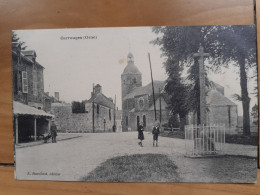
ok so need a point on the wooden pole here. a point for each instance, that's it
(115, 111)
(160, 106)
(93, 112)
(152, 87)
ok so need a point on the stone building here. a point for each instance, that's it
(104, 109)
(220, 109)
(137, 100)
(29, 99)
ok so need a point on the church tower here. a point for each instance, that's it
(131, 77)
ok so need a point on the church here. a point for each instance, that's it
(138, 106)
(137, 100)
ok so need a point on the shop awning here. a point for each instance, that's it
(23, 109)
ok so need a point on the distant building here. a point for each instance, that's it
(104, 109)
(220, 109)
(28, 95)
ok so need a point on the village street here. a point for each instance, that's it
(74, 158)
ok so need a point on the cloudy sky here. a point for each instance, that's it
(72, 66)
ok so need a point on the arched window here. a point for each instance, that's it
(144, 120)
(137, 121)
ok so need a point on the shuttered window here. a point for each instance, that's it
(24, 82)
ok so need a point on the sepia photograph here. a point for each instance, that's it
(136, 104)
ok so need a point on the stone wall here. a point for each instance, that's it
(150, 119)
(81, 122)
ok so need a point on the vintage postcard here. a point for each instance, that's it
(136, 104)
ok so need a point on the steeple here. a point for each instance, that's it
(131, 68)
(131, 76)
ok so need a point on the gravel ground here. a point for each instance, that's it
(73, 159)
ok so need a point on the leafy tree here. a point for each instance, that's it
(227, 45)
(178, 93)
(15, 38)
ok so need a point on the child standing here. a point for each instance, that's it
(156, 131)
(140, 134)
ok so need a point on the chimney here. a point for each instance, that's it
(97, 89)
(57, 96)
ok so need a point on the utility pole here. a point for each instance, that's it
(93, 112)
(152, 87)
(115, 112)
(160, 100)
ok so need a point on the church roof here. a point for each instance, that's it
(146, 89)
(131, 69)
(101, 99)
(215, 98)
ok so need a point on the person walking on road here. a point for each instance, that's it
(53, 131)
(140, 134)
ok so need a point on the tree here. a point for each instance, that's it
(178, 92)
(15, 38)
(227, 45)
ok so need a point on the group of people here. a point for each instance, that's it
(155, 132)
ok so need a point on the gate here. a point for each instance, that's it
(204, 139)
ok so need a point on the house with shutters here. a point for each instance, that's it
(30, 103)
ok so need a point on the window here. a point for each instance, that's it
(24, 82)
(137, 121)
(144, 120)
(134, 80)
(97, 109)
(109, 113)
(19, 81)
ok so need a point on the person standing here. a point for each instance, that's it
(140, 133)
(156, 132)
(53, 131)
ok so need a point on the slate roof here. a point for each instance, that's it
(29, 53)
(215, 98)
(23, 109)
(146, 89)
(101, 99)
(25, 53)
(131, 69)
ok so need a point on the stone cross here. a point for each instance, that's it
(201, 56)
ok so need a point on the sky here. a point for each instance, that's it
(72, 66)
